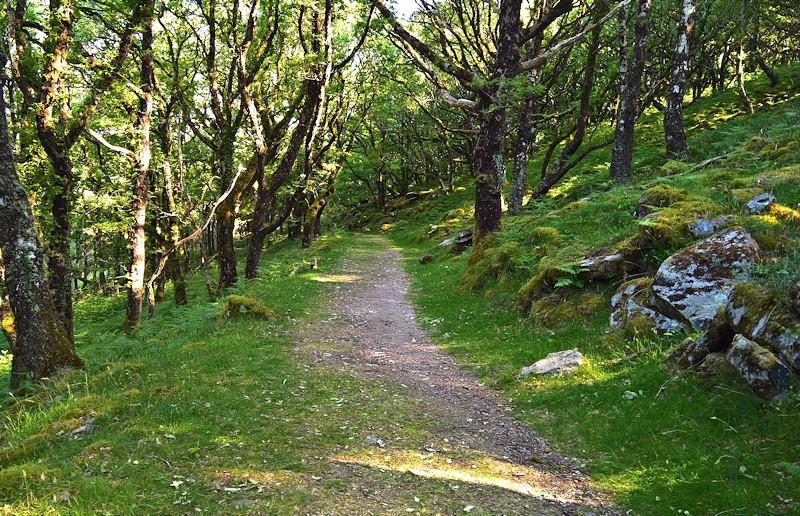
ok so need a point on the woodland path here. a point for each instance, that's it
(469, 436)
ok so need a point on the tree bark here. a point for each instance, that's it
(768, 71)
(133, 312)
(42, 344)
(674, 134)
(621, 169)
(490, 170)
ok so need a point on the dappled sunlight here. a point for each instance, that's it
(476, 470)
(337, 278)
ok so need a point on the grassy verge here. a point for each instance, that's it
(197, 414)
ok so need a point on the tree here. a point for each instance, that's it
(630, 80)
(42, 345)
(674, 134)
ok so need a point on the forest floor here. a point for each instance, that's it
(342, 405)
(469, 435)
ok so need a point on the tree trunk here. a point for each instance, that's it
(133, 313)
(768, 71)
(176, 260)
(746, 103)
(226, 222)
(58, 256)
(525, 146)
(621, 169)
(18, 370)
(42, 344)
(674, 134)
(490, 170)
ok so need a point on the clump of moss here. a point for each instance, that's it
(742, 195)
(754, 144)
(457, 213)
(18, 479)
(668, 227)
(574, 206)
(547, 272)
(721, 176)
(544, 235)
(235, 303)
(489, 260)
(556, 309)
(23, 449)
(672, 167)
(661, 196)
(783, 148)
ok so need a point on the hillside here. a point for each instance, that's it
(656, 440)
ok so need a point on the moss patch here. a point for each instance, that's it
(235, 305)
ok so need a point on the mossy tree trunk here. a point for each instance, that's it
(42, 345)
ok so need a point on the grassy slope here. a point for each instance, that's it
(701, 446)
(192, 414)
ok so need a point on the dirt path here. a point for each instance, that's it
(371, 331)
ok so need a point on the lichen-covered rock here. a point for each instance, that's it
(554, 363)
(759, 203)
(762, 371)
(693, 284)
(603, 266)
(753, 312)
(713, 364)
(716, 338)
(630, 302)
(704, 228)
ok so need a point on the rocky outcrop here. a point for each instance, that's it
(759, 367)
(761, 339)
(560, 362)
(693, 284)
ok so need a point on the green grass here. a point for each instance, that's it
(680, 444)
(193, 413)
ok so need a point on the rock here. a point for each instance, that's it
(759, 203)
(424, 260)
(656, 197)
(762, 371)
(630, 302)
(794, 297)
(464, 237)
(602, 266)
(704, 228)
(558, 362)
(433, 230)
(754, 312)
(714, 364)
(447, 242)
(374, 441)
(693, 284)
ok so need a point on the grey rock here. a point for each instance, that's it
(447, 242)
(554, 363)
(374, 441)
(693, 284)
(762, 371)
(464, 237)
(630, 301)
(759, 203)
(704, 228)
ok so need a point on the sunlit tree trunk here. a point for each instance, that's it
(133, 312)
(674, 134)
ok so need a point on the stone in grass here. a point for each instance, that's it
(559, 362)
(704, 228)
(424, 260)
(759, 203)
(762, 371)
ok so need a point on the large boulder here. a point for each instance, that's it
(759, 367)
(693, 284)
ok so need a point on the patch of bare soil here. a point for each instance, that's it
(371, 331)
